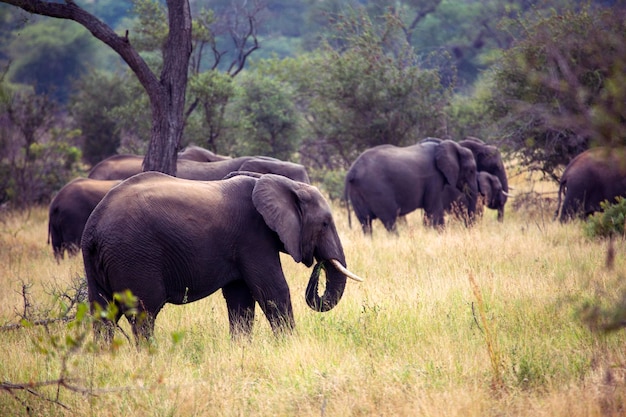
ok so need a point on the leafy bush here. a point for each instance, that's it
(331, 181)
(609, 222)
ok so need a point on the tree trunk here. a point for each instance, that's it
(168, 109)
(167, 94)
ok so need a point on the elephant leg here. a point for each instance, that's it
(104, 322)
(390, 225)
(366, 225)
(435, 220)
(142, 324)
(240, 304)
(275, 301)
(104, 329)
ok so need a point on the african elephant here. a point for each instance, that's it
(590, 178)
(488, 159)
(69, 211)
(199, 154)
(387, 181)
(117, 167)
(490, 194)
(124, 166)
(172, 240)
(287, 169)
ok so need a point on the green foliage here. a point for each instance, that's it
(151, 28)
(331, 181)
(608, 222)
(211, 90)
(49, 54)
(467, 114)
(38, 154)
(561, 86)
(264, 119)
(94, 114)
(362, 88)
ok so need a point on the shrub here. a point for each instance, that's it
(608, 222)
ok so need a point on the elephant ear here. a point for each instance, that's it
(447, 161)
(276, 198)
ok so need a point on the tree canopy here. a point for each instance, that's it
(318, 82)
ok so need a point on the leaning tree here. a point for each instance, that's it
(166, 92)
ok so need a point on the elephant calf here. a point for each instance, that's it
(490, 192)
(172, 240)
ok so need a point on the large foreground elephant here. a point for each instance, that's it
(488, 159)
(387, 181)
(171, 240)
(119, 167)
(69, 211)
(590, 178)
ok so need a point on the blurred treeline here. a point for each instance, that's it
(315, 82)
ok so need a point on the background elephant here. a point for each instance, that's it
(490, 193)
(120, 167)
(488, 159)
(387, 181)
(593, 176)
(117, 167)
(69, 211)
(183, 240)
(199, 154)
(124, 166)
(287, 169)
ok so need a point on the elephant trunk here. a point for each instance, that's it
(336, 275)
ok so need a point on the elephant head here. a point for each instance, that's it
(304, 223)
(490, 188)
(488, 159)
(459, 169)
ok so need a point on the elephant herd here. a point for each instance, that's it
(436, 175)
(222, 222)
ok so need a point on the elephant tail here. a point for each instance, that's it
(346, 197)
(55, 235)
(562, 186)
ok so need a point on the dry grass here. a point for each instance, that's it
(409, 341)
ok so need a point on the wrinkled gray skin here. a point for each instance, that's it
(199, 154)
(124, 166)
(69, 211)
(387, 181)
(590, 178)
(489, 159)
(171, 240)
(287, 169)
(490, 194)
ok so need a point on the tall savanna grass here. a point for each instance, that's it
(487, 321)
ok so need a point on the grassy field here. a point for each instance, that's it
(489, 321)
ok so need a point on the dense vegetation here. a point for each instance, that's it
(316, 82)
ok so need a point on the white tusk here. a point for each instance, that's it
(507, 194)
(344, 271)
